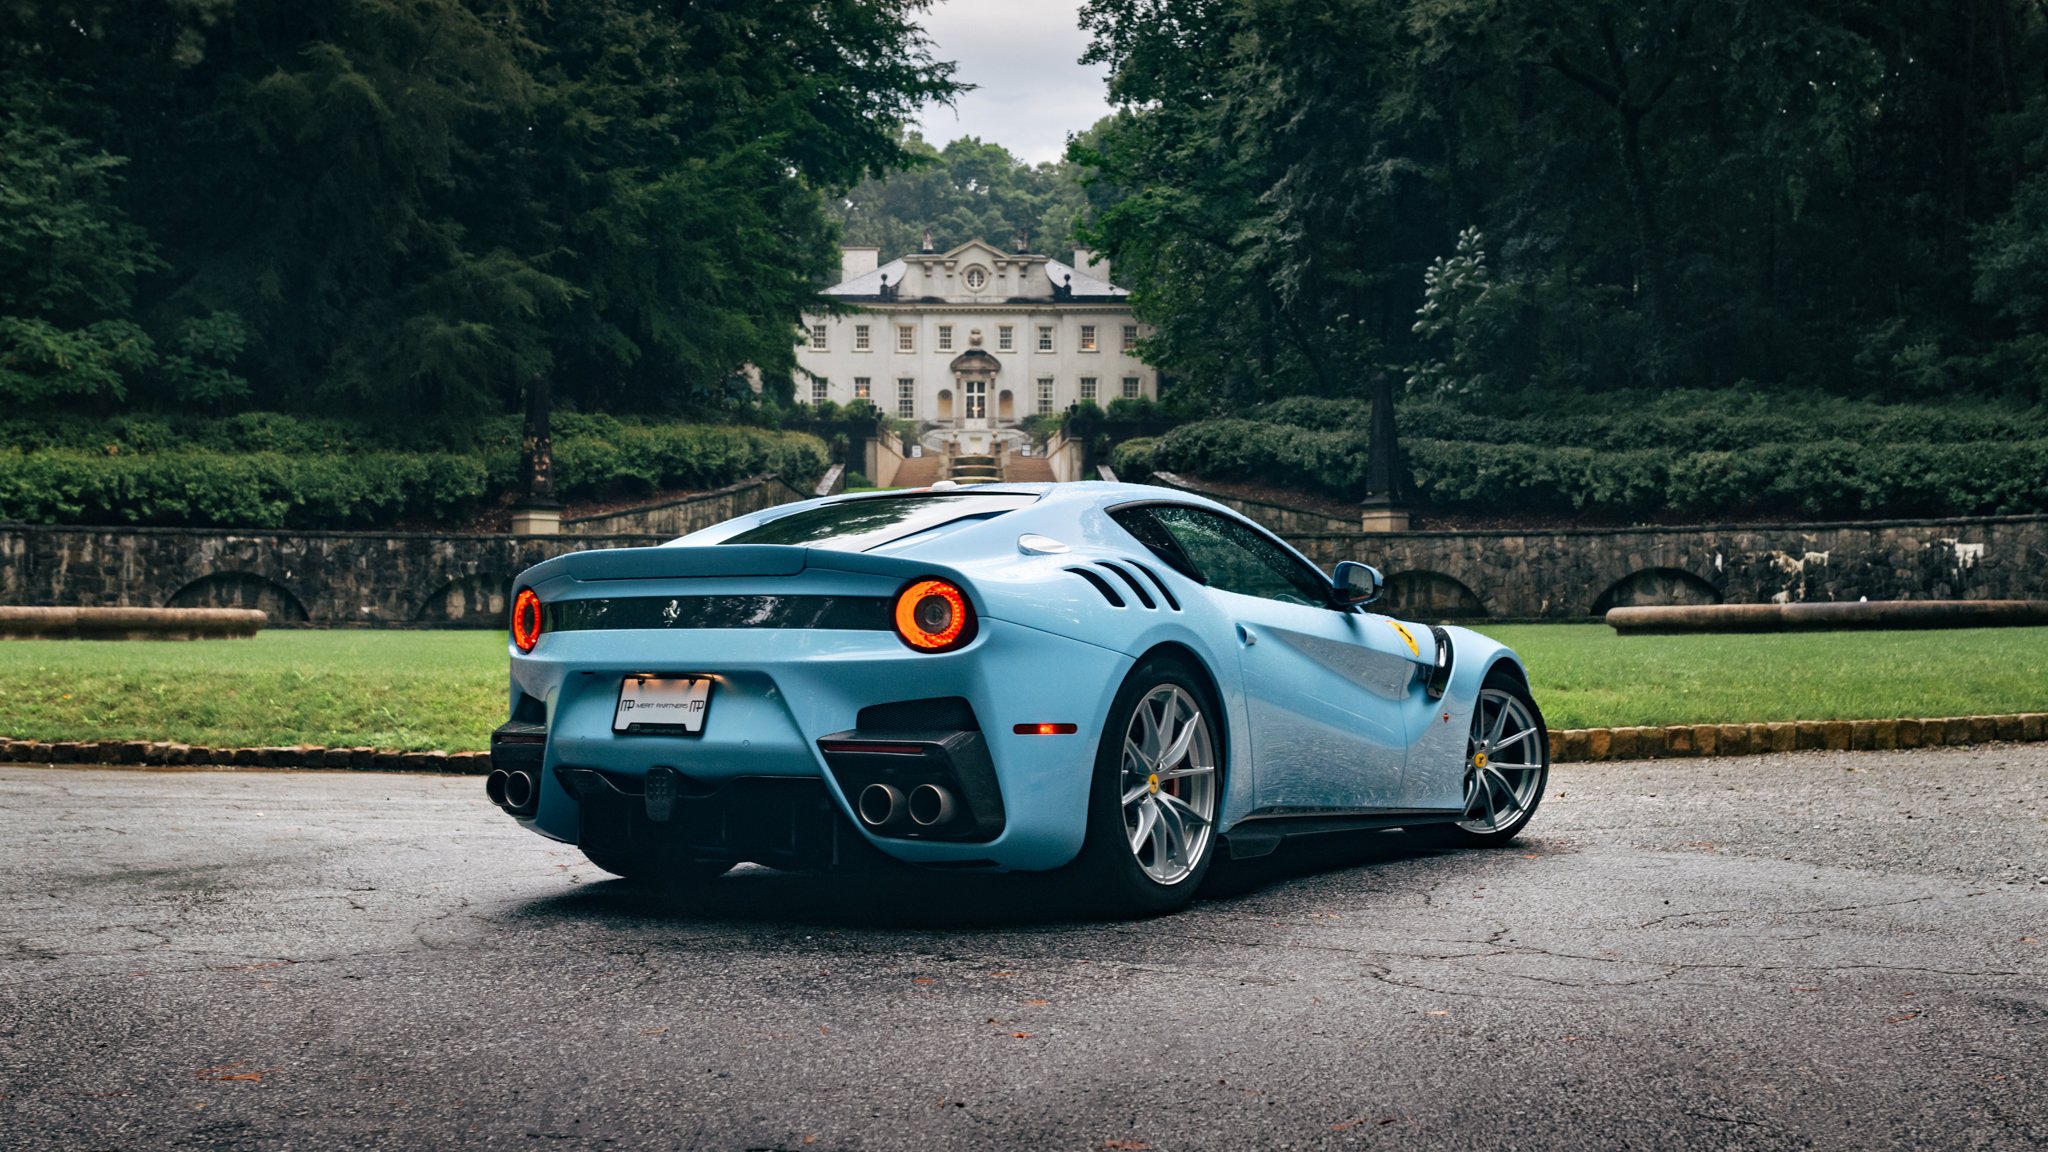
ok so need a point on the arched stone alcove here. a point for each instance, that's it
(1426, 595)
(1656, 586)
(480, 601)
(241, 590)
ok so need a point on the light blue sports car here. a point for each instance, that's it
(1114, 679)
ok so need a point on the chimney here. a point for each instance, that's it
(858, 262)
(1100, 264)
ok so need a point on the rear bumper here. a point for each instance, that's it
(778, 693)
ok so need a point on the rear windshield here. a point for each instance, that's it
(858, 525)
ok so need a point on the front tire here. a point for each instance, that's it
(1156, 792)
(1507, 765)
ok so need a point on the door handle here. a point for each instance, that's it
(1246, 636)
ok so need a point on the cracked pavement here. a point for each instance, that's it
(1815, 950)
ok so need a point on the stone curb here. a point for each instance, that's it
(1567, 746)
(1581, 745)
(158, 753)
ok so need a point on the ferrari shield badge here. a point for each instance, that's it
(1406, 635)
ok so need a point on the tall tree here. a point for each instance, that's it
(1679, 192)
(968, 190)
(417, 205)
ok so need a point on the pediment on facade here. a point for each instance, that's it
(975, 361)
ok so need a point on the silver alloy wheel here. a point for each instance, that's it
(1168, 784)
(1504, 762)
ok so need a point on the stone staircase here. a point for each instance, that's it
(920, 471)
(1028, 470)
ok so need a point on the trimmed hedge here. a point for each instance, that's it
(1704, 421)
(324, 474)
(1831, 477)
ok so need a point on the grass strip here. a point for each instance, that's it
(411, 691)
(427, 690)
(1587, 676)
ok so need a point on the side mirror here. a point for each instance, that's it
(1357, 584)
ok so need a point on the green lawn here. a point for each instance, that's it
(406, 690)
(423, 690)
(1586, 676)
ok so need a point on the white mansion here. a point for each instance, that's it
(974, 339)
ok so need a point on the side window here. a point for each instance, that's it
(1154, 536)
(1238, 558)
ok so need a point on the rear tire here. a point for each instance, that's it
(1507, 766)
(1156, 792)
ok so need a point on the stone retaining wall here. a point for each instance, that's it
(324, 579)
(687, 514)
(394, 579)
(333, 579)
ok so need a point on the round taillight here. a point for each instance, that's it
(933, 615)
(525, 620)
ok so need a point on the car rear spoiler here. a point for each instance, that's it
(670, 562)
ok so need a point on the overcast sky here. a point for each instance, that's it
(1023, 55)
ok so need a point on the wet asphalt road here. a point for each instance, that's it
(1820, 950)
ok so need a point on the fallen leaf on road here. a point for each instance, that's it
(652, 1031)
(1000, 975)
(1439, 1013)
(1036, 1003)
(1020, 1035)
(822, 1030)
(923, 980)
(1127, 1145)
(1901, 1018)
(227, 1072)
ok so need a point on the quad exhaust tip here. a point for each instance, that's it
(518, 790)
(929, 805)
(880, 805)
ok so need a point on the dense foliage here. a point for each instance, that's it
(1483, 197)
(353, 205)
(263, 470)
(1677, 455)
(969, 190)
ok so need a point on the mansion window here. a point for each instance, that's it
(861, 388)
(861, 342)
(906, 338)
(976, 279)
(1087, 387)
(1006, 338)
(817, 337)
(818, 391)
(1087, 337)
(945, 337)
(1044, 395)
(1130, 387)
(906, 398)
(1130, 337)
(1045, 337)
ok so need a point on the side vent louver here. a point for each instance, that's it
(1101, 586)
(1144, 597)
(1161, 584)
(1111, 589)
